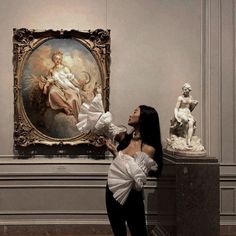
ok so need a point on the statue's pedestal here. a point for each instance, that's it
(196, 195)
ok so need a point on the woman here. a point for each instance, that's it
(62, 88)
(138, 154)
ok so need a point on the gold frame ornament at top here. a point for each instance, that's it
(30, 55)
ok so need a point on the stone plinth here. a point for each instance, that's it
(197, 195)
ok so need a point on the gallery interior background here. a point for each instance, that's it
(156, 46)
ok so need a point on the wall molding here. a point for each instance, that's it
(53, 222)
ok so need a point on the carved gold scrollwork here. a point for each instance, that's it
(100, 36)
(22, 134)
(22, 39)
(96, 140)
(23, 36)
(16, 91)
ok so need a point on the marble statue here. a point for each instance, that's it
(182, 138)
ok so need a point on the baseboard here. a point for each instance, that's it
(78, 229)
(228, 230)
(54, 230)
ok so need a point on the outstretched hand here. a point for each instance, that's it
(111, 147)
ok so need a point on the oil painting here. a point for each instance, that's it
(55, 72)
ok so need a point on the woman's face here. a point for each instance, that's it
(57, 59)
(134, 117)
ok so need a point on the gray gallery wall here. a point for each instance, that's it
(156, 46)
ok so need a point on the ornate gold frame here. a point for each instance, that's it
(26, 135)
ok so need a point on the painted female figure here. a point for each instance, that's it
(61, 88)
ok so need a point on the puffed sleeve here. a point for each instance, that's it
(145, 162)
(90, 114)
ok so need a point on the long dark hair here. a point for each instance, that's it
(149, 127)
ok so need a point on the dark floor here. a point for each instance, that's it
(70, 230)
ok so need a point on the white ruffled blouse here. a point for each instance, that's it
(93, 117)
(127, 172)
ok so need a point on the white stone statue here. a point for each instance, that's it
(182, 139)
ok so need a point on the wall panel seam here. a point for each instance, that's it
(227, 164)
(228, 179)
(74, 186)
(228, 214)
(149, 213)
(62, 222)
(209, 78)
(221, 197)
(202, 64)
(220, 79)
(228, 187)
(54, 222)
(234, 82)
(234, 200)
(52, 212)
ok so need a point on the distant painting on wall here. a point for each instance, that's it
(55, 72)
